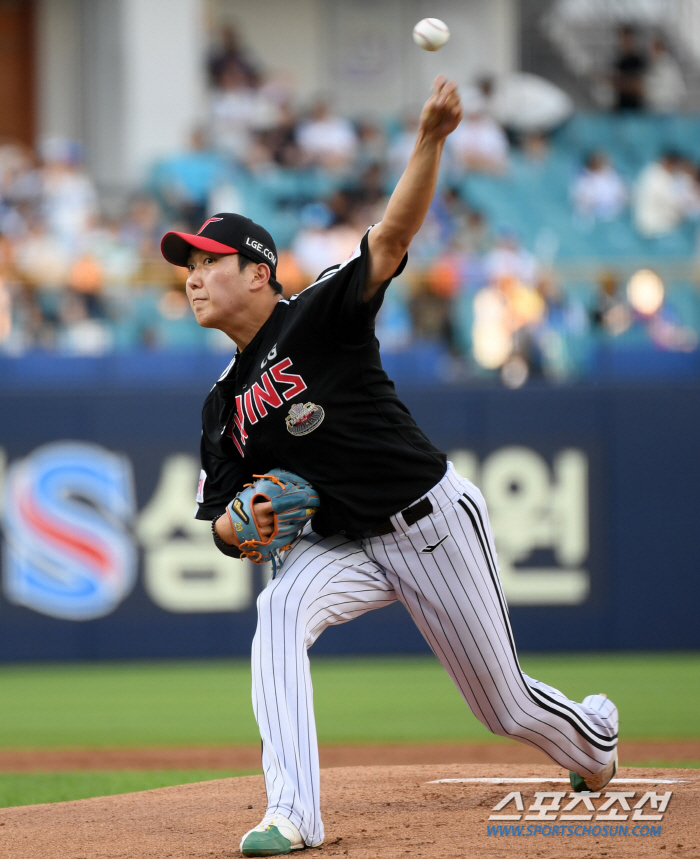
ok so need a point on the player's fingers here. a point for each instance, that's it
(454, 106)
(438, 88)
(450, 96)
(446, 92)
(264, 517)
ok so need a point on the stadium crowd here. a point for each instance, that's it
(77, 280)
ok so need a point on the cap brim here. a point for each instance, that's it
(177, 247)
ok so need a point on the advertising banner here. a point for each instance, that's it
(593, 497)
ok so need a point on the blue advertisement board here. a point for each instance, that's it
(593, 494)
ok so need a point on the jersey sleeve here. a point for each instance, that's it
(334, 305)
(222, 475)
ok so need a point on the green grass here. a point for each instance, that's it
(369, 700)
(35, 788)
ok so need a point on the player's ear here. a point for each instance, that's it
(261, 276)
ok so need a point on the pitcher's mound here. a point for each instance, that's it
(382, 812)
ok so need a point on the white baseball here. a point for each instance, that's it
(431, 34)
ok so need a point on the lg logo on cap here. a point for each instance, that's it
(255, 245)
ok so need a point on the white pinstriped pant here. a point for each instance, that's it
(454, 596)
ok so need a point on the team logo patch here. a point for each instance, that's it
(303, 419)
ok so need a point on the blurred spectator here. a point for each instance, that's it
(599, 194)
(401, 146)
(77, 282)
(327, 140)
(370, 190)
(664, 86)
(664, 195)
(21, 188)
(86, 279)
(610, 313)
(527, 104)
(563, 327)
(80, 334)
(535, 148)
(371, 144)
(508, 259)
(327, 237)
(141, 231)
(394, 328)
(478, 143)
(505, 313)
(230, 54)
(430, 307)
(68, 193)
(238, 110)
(449, 211)
(628, 71)
(472, 234)
(185, 180)
(41, 259)
(290, 275)
(280, 140)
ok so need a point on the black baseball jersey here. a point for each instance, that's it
(308, 394)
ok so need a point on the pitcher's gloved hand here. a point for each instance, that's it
(294, 502)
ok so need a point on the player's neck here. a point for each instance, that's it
(243, 328)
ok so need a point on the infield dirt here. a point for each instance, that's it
(368, 811)
(679, 752)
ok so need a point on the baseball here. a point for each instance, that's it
(431, 34)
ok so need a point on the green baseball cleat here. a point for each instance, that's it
(593, 783)
(273, 836)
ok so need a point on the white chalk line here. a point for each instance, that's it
(553, 780)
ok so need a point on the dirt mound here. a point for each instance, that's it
(368, 812)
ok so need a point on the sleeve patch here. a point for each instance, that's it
(200, 486)
(355, 254)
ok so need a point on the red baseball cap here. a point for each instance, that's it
(225, 233)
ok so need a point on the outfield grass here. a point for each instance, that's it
(35, 788)
(369, 700)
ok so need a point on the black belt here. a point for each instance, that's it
(411, 515)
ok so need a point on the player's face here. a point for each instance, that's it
(217, 290)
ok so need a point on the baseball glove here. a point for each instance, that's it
(294, 502)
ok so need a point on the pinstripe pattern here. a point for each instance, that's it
(454, 596)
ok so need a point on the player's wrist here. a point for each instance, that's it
(223, 528)
(431, 139)
(229, 549)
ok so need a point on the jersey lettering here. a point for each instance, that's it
(234, 439)
(296, 382)
(252, 404)
(237, 422)
(239, 418)
(266, 394)
(248, 400)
